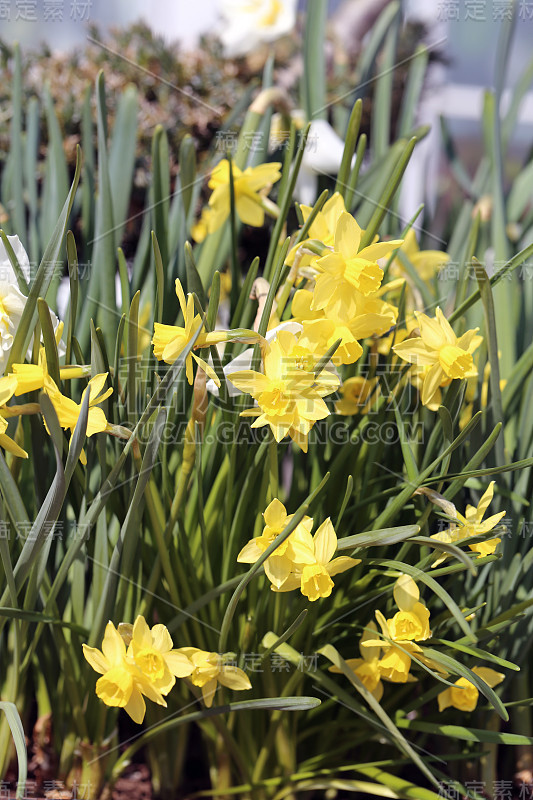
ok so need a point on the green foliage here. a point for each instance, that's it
(149, 516)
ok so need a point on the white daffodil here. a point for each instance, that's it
(247, 23)
(12, 300)
(322, 156)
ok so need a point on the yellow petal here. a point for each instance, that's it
(96, 659)
(141, 633)
(234, 678)
(379, 249)
(275, 515)
(325, 542)
(161, 638)
(277, 570)
(113, 646)
(341, 564)
(11, 446)
(444, 699)
(250, 553)
(178, 664)
(347, 235)
(485, 501)
(136, 707)
(249, 210)
(406, 593)
(490, 676)
(208, 692)
(209, 371)
(432, 381)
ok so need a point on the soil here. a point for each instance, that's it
(134, 784)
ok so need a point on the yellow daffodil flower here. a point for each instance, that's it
(279, 565)
(209, 670)
(409, 625)
(323, 328)
(367, 668)
(321, 334)
(472, 524)
(322, 228)
(288, 393)
(122, 683)
(426, 262)
(348, 270)
(170, 341)
(31, 377)
(446, 356)
(199, 229)
(314, 579)
(68, 411)
(358, 395)
(250, 188)
(152, 652)
(466, 695)
(8, 385)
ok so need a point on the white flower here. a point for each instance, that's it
(322, 156)
(247, 23)
(12, 300)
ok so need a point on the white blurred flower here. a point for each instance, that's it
(322, 156)
(247, 23)
(12, 300)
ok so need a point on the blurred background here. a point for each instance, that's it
(462, 37)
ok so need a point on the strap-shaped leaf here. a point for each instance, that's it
(44, 276)
(17, 731)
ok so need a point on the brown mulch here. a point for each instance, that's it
(134, 784)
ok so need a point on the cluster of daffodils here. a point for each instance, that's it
(24, 378)
(302, 561)
(137, 661)
(390, 657)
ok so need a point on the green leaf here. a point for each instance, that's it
(350, 143)
(43, 277)
(17, 731)
(122, 158)
(50, 345)
(18, 214)
(187, 162)
(385, 200)
(314, 55)
(265, 704)
(466, 734)
(122, 560)
(194, 282)
(334, 656)
(383, 536)
(56, 176)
